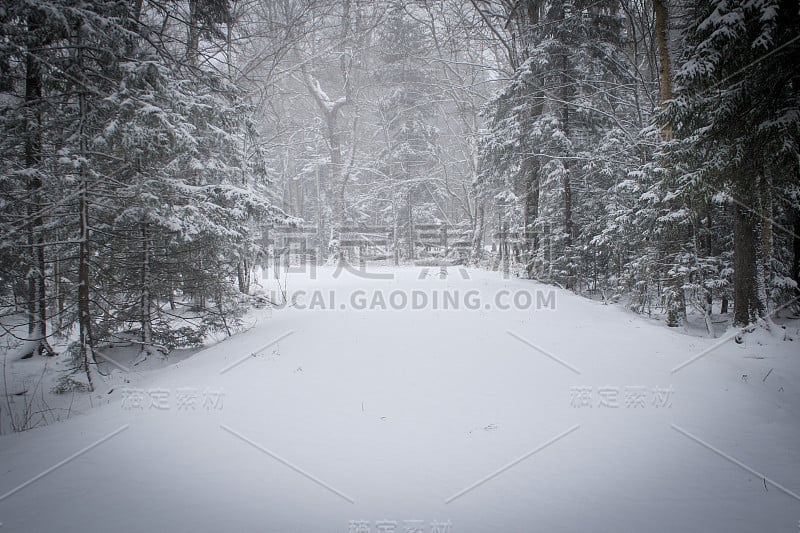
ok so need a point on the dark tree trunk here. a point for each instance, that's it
(85, 338)
(37, 294)
(661, 12)
(796, 249)
(567, 95)
(84, 313)
(146, 295)
(243, 276)
(410, 227)
(531, 212)
(477, 231)
(193, 34)
(748, 308)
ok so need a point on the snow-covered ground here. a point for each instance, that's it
(378, 412)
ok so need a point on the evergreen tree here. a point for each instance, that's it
(735, 114)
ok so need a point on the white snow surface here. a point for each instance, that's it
(378, 418)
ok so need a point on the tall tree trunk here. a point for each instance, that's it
(568, 230)
(796, 251)
(37, 296)
(84, 312)
(146, 302)
(61, 296)
(765, 203)
(330, 111)
(336, 173)
(661, 11)
(396, 235)
(243, 273)
(567, 94)
(531, 212)
(748, 308)
(85, 338)
(193, 34)
(322, 243)
(410, 226)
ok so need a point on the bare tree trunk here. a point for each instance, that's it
(396, 240)
(193, 34)
(477, 230)
(330, 110)
(243, 273)
(61, 297)
(567, 96)
(410, 227)
(37, 296)
(229, 47)
(795, 272)
(336, 166)
(84, 313)
(531, 212)
(146, 297)
(765, 201)
(322, 248)
(748, 307)
(505, 258)
(85, 338)
(661, 11)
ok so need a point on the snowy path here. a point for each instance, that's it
(410, 417)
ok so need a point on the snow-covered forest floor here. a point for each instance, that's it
(378, 410)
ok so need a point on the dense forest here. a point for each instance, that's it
(645, 152)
